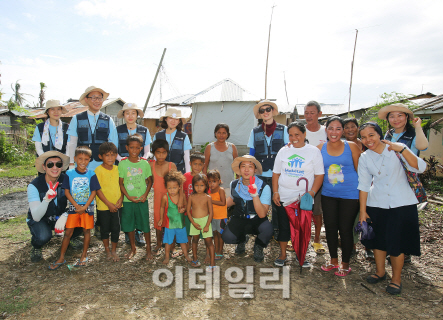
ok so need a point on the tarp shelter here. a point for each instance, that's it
(224, 102)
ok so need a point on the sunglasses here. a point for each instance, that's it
(49, 165)
(268, 109)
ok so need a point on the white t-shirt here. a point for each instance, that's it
(316, 137)
(293, 163)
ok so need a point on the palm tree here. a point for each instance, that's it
(19, 97)
(41, 96)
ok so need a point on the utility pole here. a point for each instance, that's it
(267, 55)
(153, 82)
(352, 70)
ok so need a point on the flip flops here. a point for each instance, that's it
(318, 248)
(177, 254)
(218, 256)
(56, 265)
(79, 264)
(346, 272)
(211, 268)
(329, 267)
(196, 263)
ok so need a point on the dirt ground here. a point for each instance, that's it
(126, 289)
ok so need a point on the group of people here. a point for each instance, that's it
(349, 179)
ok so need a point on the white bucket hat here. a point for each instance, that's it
(174, 114)
(51, 154)
(55, 104)
(130, 106)
(89, 90)
(265, 103)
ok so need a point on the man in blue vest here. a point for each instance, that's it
(92, 127)
(47, 202)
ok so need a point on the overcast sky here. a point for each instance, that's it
(116, 45)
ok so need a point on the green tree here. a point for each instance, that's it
(41, 96)
(18, 96)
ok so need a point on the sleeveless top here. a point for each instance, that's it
(219, 212)
(341, 179)
(174, 219)
(222, 162)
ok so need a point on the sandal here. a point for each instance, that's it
(177, 254)
(375, 278)
(340, 270)
(56, 265)
(157, 252)
(329, 266)
(79, 263)
(393, 288)
(290, 247)
(318, 248)
(218, 256)
(196, 263)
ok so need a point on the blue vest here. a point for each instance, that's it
(266, 154)
(405, 138)
(242, 208)
(53, 210)
(177, 151)
(89, 139)
(123, 134)
(50, 146)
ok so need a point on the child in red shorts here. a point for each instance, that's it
(80, 186)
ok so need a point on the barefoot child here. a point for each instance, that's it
(109, 198)
(160, 168)
(197, 163)
(135, 182)
(201, 217)
(219, 209)
(80, 186)
(172, 218)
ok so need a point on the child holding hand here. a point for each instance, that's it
(200, 207)
(220, 210)
(109, 198)
(173, 219)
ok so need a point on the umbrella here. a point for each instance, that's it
(300, 225)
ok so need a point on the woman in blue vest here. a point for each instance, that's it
(401, 130)
(251, 198)
(339, 195)
(52, 133)
(179, 144)
(264, 143)
(130, 112)
(47, 201)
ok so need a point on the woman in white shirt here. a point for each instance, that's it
(387, 199)
(294, 161)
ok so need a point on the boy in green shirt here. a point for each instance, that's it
(135, 182)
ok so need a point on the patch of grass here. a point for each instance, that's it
(15, 229)
(435, 185)
(12, 190)
(14, 171)
(15, 302)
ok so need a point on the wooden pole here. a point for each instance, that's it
(153, 82)
(294, 112)
(352, 70)
(267, 55)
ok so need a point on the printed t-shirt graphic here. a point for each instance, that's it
(134, 176)
(335, 174)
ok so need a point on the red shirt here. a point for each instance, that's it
(187, 186)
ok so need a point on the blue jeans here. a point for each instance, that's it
(41, 232)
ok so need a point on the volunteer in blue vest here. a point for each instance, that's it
(315, 134)
(47, 202)
(401, 130)
(52, 134)
(251, 198)
(179, 145)
(92, 127)
(130, 112)
(264, 143)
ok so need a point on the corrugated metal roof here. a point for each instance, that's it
(177, 100)
(158, 111)
(433, 104)
(225, 90)
(326, 108)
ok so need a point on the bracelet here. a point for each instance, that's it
(275, 192)
(402, 150)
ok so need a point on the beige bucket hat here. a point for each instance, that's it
(51, 154)
(89, 90)
(130, 106)
(400, 107)
(174, 114)
(54, 104)
(265, 103)
(236, 164)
